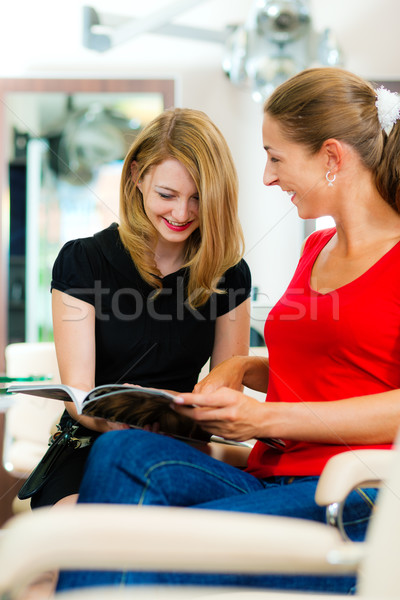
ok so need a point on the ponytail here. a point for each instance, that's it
(387, 174)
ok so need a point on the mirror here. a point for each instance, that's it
(63, 146)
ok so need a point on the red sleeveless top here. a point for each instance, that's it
(325, 347)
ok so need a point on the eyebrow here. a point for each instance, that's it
(274, 150)
(165, 187)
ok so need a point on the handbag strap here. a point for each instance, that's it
(66, 437)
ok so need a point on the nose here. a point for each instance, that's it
(180, 210)
(269, 177)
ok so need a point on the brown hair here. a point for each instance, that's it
(192, 138)
(328, 102)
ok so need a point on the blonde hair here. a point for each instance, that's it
(328, 102)
(190, 137)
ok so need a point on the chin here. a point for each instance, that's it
(306, 214)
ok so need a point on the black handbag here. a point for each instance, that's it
(62, 444)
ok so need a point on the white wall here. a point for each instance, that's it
(43, 38)
(273, 232)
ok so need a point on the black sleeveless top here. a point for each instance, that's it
(159, 342)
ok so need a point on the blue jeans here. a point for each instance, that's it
(138, 467)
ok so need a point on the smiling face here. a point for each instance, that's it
(171, 201)
(295, 170)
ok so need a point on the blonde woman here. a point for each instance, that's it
(150, 300)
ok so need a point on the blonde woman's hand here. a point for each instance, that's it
(228, 373)
(103, 425)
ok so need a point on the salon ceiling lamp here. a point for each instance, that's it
(276, 41)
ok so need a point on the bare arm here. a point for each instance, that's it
(372, 419)
(74, 337)
(232, 334)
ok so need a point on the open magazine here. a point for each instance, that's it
(135, 406)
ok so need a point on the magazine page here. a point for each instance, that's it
(65, 393)
(142, 407)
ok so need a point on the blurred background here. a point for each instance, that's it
(78, 80)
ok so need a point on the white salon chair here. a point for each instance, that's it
(30, 419)
(160, 538)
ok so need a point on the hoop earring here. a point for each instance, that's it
(330, 181)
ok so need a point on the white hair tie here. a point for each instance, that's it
(388, 105)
